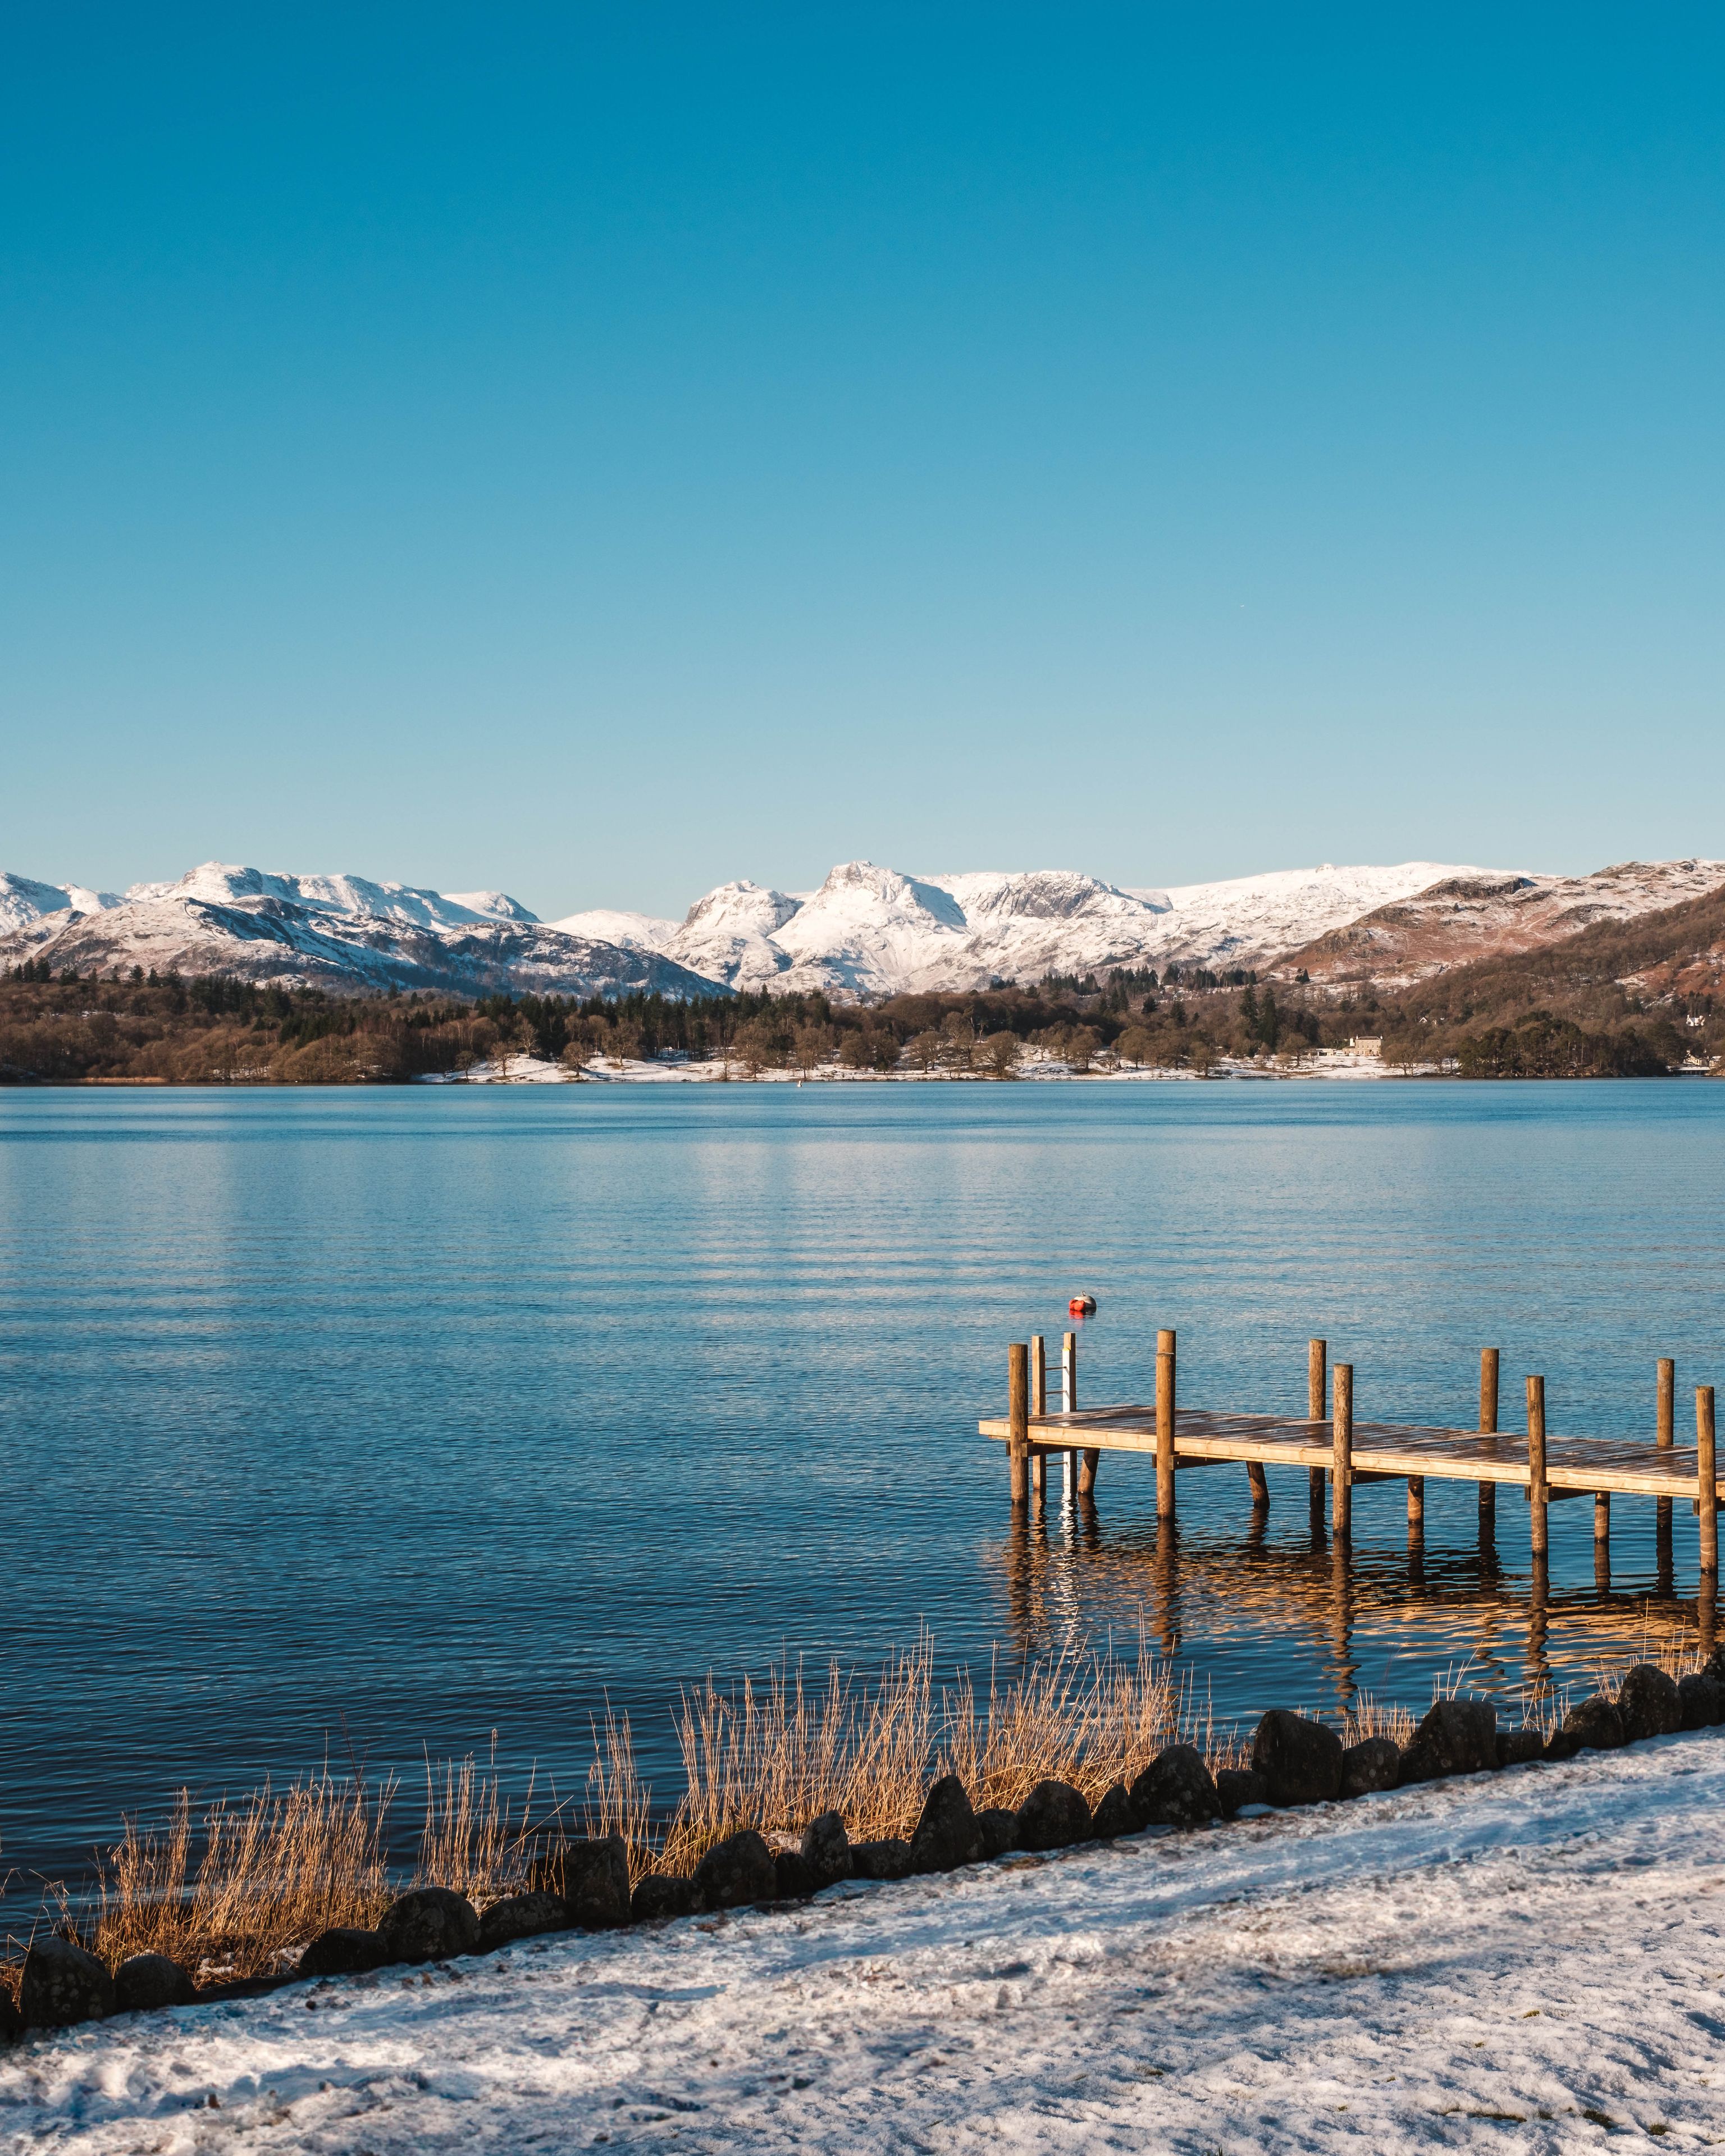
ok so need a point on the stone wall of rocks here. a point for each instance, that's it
(583, 1885)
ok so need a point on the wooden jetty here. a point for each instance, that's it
(1331, 1446)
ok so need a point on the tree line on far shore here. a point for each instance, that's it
(1514, 1019)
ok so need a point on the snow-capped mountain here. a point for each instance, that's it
(1469, 914)
(341, 933)
(868, 930)
(22, 900)
(352, 894)
(873, 930)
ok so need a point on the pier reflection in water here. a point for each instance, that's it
(1278, 1614)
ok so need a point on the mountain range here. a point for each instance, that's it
(868, 930)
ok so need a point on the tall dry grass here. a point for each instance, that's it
(772, 1755)
(254, 1878)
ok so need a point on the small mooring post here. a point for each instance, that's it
(1602, 1516)
(1318, 1352)
(1342, 1438)
(1538, 1497)
(1416, 1503)
(1488, 1427)
(1165, 1425)
(1707, 1481)
(1018, 1419)
(1039, 1399)
(1664, 1436)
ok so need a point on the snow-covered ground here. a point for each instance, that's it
(533, 1070)
(1529, 1960)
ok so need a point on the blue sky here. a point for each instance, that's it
(600, 451)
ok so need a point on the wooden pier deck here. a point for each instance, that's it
(1333, 1446)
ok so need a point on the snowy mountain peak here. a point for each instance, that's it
(741, 909)
(223, 884)
(23, 900)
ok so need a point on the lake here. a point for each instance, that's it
(360, 1423)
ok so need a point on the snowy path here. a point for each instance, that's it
(1420, 1970)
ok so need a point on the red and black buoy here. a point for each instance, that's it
(1081, 1306)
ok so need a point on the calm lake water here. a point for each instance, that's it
(389, 1419)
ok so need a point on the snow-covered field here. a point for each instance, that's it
(1533, 1960)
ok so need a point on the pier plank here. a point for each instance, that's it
(1210, 1436)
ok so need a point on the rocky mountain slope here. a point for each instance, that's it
(1465, 918)
(1670, 962)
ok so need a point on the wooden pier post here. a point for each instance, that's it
(1018, 1419)
(1164, 1425)
(1665, 1438)
(1488, 1427)
(1342, 1437)
(1707, 1481)
(1317, 1353)
(1260, 1485)
(1538, 1496)
(1416, 1502)
(1602, 1516)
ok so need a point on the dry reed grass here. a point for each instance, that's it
(774, 1755)
(268, 1872)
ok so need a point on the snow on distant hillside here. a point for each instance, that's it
(1469, 914)
(1249, 920)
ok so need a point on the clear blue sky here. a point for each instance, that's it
(600, 451)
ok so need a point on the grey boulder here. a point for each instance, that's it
(144, 1982)
(1115, 1814)
(1053, 1816)
(793, 1876)
(1701, 1700)
(826, 1850)
(1176, 1790)
(888, 1858)
(1593, 1724)
(1648, 1704)
(1236, 1787)
(429, 1924)
(998, 1828)
(343, 1950)
(1300, 1760)
(1516, 1747)
(1456, 1737)
(12, 2022)
(947, 1835)
(1372, 1764)
(520, 1916)
(590, 1878)
(62, 1984)
(661, 1894)
(736, 1873)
